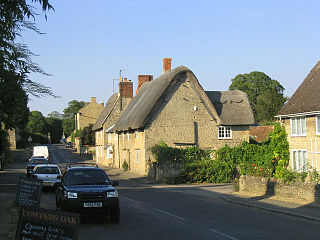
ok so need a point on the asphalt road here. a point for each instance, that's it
(153, 212)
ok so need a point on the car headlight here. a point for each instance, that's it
(112, 194)
(72, 195)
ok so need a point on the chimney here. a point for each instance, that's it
(93, 99)
(126, 89)
(166, 65)
(102, 103)
(142, 79)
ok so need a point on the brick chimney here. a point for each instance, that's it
(166, 65)
(93, 99)
(126, 89)
(143, 79)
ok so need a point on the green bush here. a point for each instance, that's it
(125, 166)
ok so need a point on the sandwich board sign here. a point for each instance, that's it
(39, 223)
(29, 192)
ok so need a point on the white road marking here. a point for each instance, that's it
(129, 199)
(169, 214)
(222, 234)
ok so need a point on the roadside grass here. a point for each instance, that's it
(9, 215)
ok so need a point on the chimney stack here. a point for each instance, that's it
(126, 89)
(166, 65)
(143, 79)
(102, 103)
(93, 99)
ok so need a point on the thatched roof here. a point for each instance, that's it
(307, 97)
(139, 109)
(233, 107)
(105, 112)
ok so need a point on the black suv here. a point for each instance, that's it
(85, 188)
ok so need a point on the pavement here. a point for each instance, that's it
(223, 191)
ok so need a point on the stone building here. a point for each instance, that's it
(301, 118)
(175, 109)
(110, 114)
(88, 114)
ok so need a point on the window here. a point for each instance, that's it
(122, 135)
(299, 160)
(137, 134)
(138, 155)
(101, 134)
(109, 136)
(298, 126)
(115, 136)
(128, 135)
(225, 132)
(318, 125)
(109, 152)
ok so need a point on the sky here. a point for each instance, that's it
(86, 43)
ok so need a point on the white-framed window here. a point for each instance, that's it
(298, 126)
(109, 136)
(225, 132)
(299, 160)
(137, 134)
(318, 125)
(137, 155)
(128, 135)
(115, 136)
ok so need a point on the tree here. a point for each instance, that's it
(54, 127)
(68, 115)
(73, 107)
(87, 136)
(265, 94)
(36, 123)
(55, 114)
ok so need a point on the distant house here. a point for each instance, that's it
(110, 114)
(175, 109)
(88, 114)
(301, 118)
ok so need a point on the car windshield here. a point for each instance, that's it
(38, 161)
(47, 170)
(87, 177)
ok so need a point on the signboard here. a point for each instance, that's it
(29, 192)
(37, 224)
(29, 139)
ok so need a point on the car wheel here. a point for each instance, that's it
(115, 215)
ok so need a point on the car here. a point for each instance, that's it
(69, 145)
(86, 189)
(48, 173)
(33, 162)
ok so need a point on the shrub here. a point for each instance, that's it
(125, 166)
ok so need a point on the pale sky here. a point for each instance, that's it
(88, 42)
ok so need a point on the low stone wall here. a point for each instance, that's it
(293, 192)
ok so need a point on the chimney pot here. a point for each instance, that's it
(166, 65)
(125, 79)
(102, 103)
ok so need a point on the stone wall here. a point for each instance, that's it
(293, 192)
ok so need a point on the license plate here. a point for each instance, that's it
(47, 184)
(92, 204)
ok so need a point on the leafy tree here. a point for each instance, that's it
(68, 115)
(15, 60)
(87, 136)
(73, 107)
(55, 114)
(265, 94)
(36, 123)
(54, 127)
